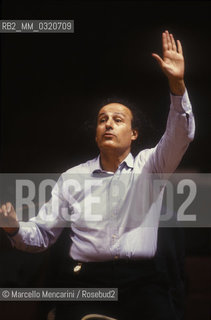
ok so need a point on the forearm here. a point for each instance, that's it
(178, 134)
(34, 238)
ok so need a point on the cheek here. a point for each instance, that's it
(126, 133)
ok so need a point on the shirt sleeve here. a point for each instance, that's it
(42, 231)
(179, 132)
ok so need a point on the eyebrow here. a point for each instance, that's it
(115, 113)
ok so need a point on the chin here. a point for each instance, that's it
(108, 146)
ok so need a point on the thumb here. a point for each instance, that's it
(158, 58)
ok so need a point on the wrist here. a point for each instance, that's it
(11, 231)
(177, 86)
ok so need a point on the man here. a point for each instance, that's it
(113, 209)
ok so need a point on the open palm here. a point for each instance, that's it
(172, 62)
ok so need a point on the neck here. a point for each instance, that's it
(111, 161)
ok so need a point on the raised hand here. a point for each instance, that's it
(172, 63)
(8, 218)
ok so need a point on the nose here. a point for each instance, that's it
(109, 124)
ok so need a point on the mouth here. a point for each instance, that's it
(108, 134)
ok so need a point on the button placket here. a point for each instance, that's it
(111, 215)
(114, 217)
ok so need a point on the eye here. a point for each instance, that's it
(101, 120)
(118, 120)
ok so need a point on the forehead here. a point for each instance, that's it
(113, 108)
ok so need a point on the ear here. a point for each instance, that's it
(134, 134)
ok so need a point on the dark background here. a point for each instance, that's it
(51, 83)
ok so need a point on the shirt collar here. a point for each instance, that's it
(129, 161)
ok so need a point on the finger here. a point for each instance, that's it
(4, 210)
(158, 58)
(168, 40)
(8, 207)
(174, 47)
(165, 45)
(179, 46)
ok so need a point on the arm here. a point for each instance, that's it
(41, 231)
(180, 124)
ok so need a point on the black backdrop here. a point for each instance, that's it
(50, 82)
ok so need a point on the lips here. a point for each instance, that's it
(108, 134)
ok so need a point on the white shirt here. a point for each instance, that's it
(112, 215)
